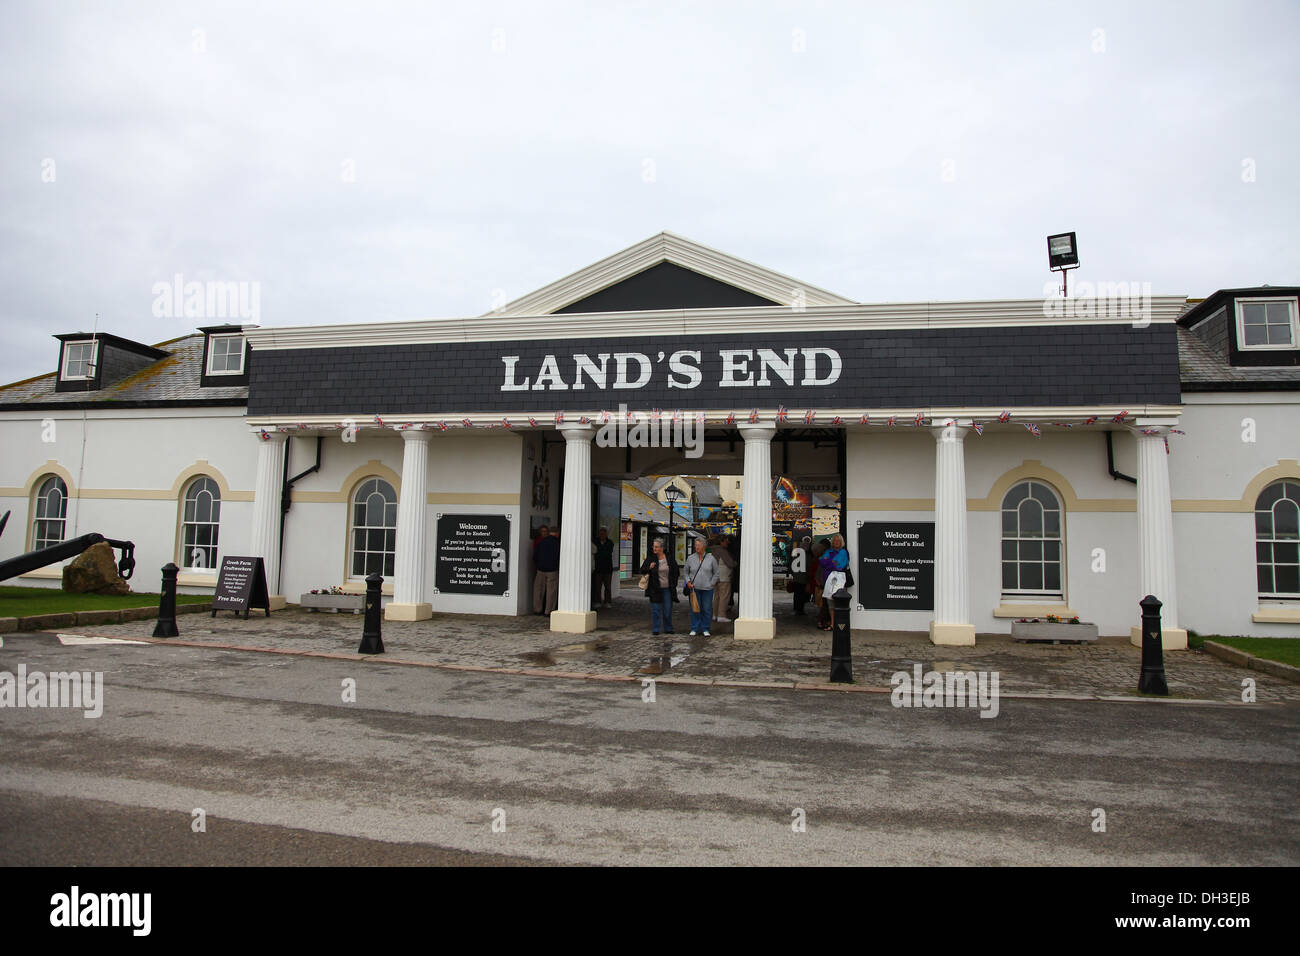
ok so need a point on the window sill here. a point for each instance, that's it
(47, 573)
(1278, 614)
(193, 579)
(359, 587)
(1017, 611)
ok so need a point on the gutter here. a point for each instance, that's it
(286, 489)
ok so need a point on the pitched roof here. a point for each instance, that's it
(680, 251)
(1202, 369)
(173, 379)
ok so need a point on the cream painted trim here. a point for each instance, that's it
(472, 498)
(680, 251)
(691, 323)
(190, 579)
(1277, 615)
(1208, 506)
(374, 468)
(203, 467)
(890, 504)
(200, 467)
(156, 494)
(1017, 611)
(1285, 468)
(51, 467)
(1033, 468)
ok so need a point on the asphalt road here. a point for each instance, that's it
(419, 767)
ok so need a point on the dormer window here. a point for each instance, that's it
(1267, 324)
(78, 361)
(226, 355)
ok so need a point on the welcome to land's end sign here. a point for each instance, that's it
(473, 555)
(897, 560)
(241, 584)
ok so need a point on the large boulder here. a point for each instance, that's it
(94, 571)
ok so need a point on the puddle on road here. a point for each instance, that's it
(547, 658)
(670, 656)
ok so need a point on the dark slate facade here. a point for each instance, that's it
(665, 286)
(1062, 365)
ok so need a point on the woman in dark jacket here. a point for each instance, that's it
(662, 588)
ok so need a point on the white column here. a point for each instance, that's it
(573, 613)
(264, 542)
(412, 543)
(755, 621)
(951, 624)
(1156, 538)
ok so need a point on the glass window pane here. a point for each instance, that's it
(1044, 494)
(1265, 579)
(1008, 551)
(1284, 552)
(1051, 550)
(1287, 578)
(1052, 577)
(388, 566)
(1016, 495)
(1252, 313)
(1263, 524)
(1263, 552)
(1052, 524)
(1256, 335)
(1008, 575)
(1279, 334)
(1278, 313)
(1031, 550)
(1031, 519)
(1009, 523)
(1286, 519)
(1031, 577)
(1269, 496)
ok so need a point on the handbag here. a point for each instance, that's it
(695, 602)
(789, 585)
(644, 582)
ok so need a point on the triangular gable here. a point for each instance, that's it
(593, 289)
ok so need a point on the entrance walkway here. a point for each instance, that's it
(622, 647)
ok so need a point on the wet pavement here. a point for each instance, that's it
(623, 647)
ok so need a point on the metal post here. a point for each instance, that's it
(166, 626)
(1152, 679)
(372, 641)
(841, 640)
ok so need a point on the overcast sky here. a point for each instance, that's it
(377, 161)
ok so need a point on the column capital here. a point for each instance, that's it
(415, 434)
(957, 431)
(1149, 431)
(266, 436)
(757, 431)
(582, 433)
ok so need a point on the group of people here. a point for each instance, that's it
(546, 570)
(818, 571)
(708, 574)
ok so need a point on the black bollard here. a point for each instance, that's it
(841, 641)
(1152, 680)
(166, 626)
(372, 642)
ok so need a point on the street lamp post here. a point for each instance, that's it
(672, 494)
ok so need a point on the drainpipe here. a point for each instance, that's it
(1110, 467)
(286, 488)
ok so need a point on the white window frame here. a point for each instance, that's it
(61, 519)
(183, 545)
(1294, 310)
(1042, 594)
(1272, 541)
(212, 340)
(91, 363)
(353, 528)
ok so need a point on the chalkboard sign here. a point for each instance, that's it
(241, 584)
(897, 561)
(473, 555)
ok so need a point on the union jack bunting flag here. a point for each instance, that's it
(1120, 417)
(604, 417)
(559, 418)
(836, 420)
(753, 416)
(1032, 429)
(1166, 446)
(532, 421)
(1090, 420)
(893, 420)
(379, 421)
(1150, 431)
(809, 417)
(782, 413)
(978, 427)
(1004, 417)
(442, 426)
(505, 423)
(1175, 431)
(584, 420)
(655, 414)
(920, 420)
(467, 423)
(677, 416)
(699, 419)
(404, 426)
(264, 434)
(731, 418)
(864, 420)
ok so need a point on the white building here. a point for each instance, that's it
(991, 439)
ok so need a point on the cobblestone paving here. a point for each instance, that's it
(622, 645)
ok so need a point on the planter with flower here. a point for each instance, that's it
(1055, 629)
(333, 599)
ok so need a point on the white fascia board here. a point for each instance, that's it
(668, 247)
(827, 318)
(934, 415)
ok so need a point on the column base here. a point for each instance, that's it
(573, 622)
(954, 635)
(277, 602)
(754, 629)
(1171, 638)
(408, 612)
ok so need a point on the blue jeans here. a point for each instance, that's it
(700, 621)
(661, 613)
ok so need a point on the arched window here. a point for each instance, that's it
(1032, 541)
(200, 523)
(374, 529)
(1277, 537)
(51, 512)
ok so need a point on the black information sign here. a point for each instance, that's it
(473, 555)
(897, 565)
(241, 584)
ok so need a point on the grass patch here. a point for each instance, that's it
(25, 602)
(1283, 649)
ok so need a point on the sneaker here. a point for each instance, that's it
(707, 634)
(692, 633)
(724, 620)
